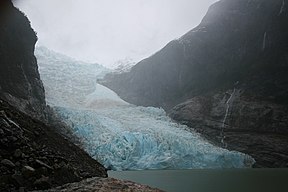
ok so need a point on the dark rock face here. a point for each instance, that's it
(33, 156)
(240, 49)
(238, 122)
(20, 82)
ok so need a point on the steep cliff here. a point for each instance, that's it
(227, 74)
(20, 82)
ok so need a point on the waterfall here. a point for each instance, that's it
(228, 105)
(181, 41)
(282, 8)
(264, 41)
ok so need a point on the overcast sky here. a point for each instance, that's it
(105, 31)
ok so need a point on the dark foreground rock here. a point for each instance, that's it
(241, 45)
(103, 185)
(34, 156)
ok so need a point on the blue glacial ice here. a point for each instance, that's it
(130, 137)
(122, 136)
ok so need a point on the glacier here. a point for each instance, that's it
(120, 135)
(63, 77)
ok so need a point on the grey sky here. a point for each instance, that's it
(105, 31)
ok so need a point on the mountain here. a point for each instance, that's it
(227, 78)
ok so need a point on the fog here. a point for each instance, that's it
(105, 31)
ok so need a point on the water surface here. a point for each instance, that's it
(210, 180)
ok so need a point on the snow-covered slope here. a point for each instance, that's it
(124, 65)
(123, 136)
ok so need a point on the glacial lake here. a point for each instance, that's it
(210, 180)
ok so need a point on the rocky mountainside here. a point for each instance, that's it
(20, 82)
(227, 78)
(33, 156)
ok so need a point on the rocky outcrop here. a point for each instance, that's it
(104, 185)
(238, 54)
(33, 156)
(20, 82)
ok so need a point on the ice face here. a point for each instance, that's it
(130, 137)
(126, 137)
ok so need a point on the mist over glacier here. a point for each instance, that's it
(120, 135)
